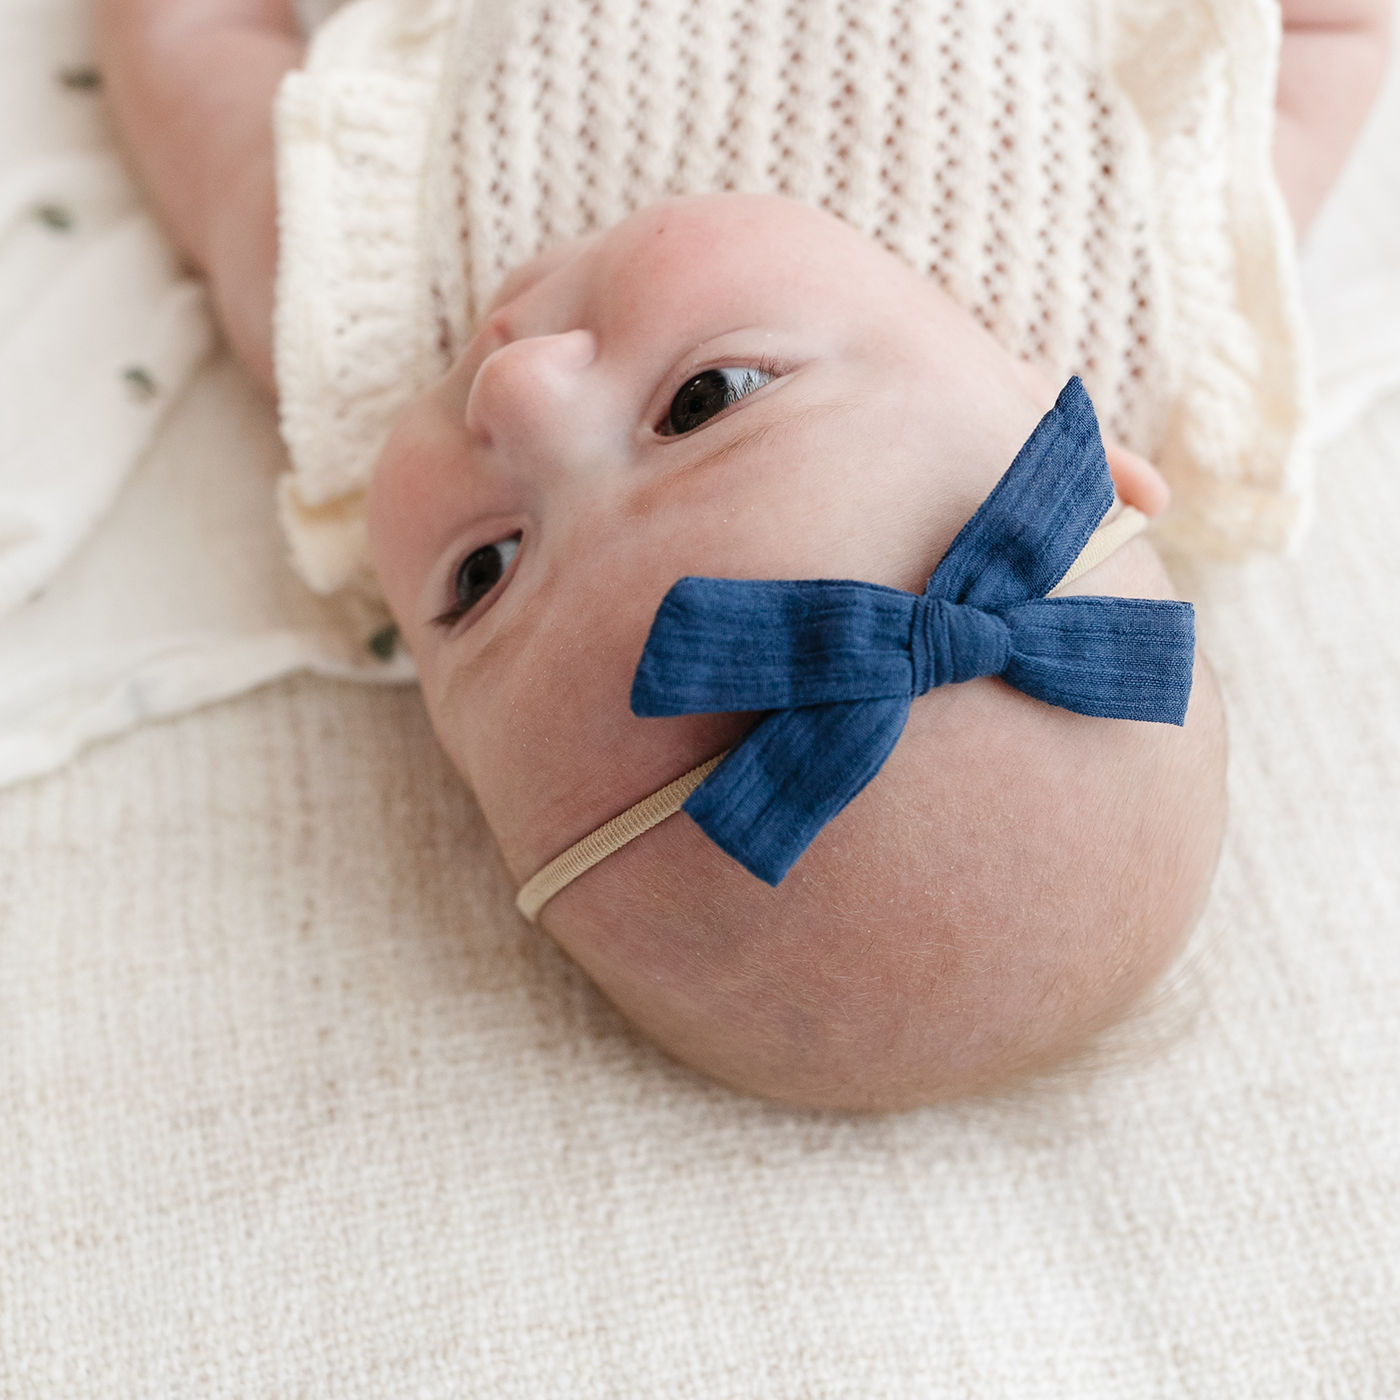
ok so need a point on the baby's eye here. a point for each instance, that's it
(701, 398)
(482, 569)
(478, 574)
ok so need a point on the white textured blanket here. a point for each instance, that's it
(294, 1105)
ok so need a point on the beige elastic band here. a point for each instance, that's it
(1104, 541)
(539, 889)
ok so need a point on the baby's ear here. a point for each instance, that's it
(1137, 482)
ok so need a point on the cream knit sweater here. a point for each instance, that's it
(1091, 180)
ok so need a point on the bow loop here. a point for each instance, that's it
(1114, 658)
(720, 645)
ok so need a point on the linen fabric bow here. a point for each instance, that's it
(839, 661)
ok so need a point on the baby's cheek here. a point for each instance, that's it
(528, 276)
(391, 558)
(402, 506)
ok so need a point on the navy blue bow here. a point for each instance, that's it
(838, 662)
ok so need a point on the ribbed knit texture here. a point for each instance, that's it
(1091, 181)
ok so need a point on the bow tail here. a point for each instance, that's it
(1030, 529)
(1115, 658)
(790, 776)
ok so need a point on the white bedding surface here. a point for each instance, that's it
(295, 1104)
(292, 1104)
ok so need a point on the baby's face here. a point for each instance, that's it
(742, 387)
(728, 385)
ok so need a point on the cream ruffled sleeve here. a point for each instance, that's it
(1233, 441)
(353, 138)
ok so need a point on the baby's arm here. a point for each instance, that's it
(191, 85)
(1330, 70)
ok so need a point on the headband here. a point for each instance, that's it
(836, 663)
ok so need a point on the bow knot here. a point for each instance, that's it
(951, 642)
(837, 662)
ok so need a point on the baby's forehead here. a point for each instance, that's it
(779, 250)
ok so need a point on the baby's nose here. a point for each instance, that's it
(530, 389)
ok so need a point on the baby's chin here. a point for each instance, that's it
(1012, 882)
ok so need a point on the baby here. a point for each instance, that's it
(741, 388)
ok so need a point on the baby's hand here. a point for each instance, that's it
(191, 85)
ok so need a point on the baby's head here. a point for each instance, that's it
(1015, 875)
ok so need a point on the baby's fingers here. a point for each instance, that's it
(1137, 482)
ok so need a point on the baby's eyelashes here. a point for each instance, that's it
(710, 393)
(477, 575)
